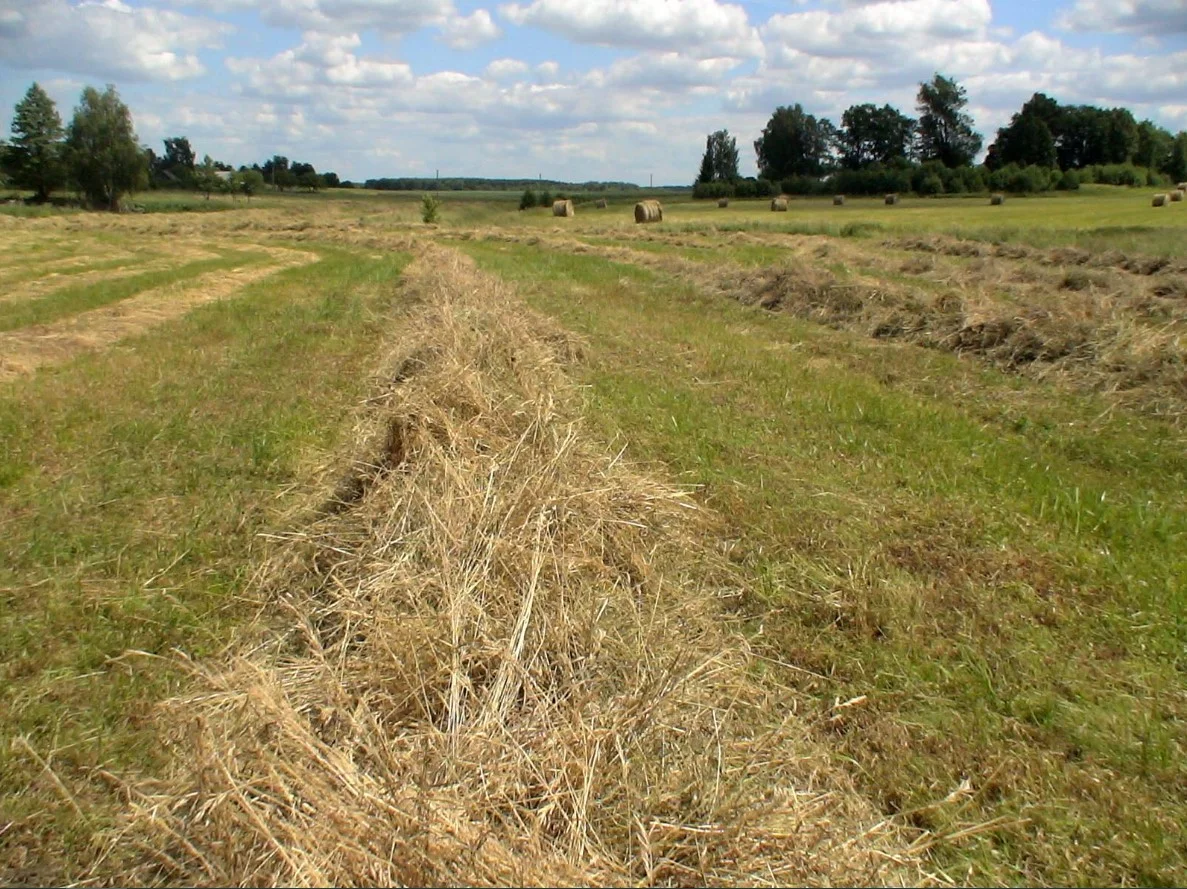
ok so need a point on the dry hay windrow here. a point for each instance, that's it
(1061, 256)
(53, 280)
(1087, 340)
(24, 350)
(509, 662)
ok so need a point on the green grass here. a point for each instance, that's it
(133, 486)
(70, 300)
(998, 567)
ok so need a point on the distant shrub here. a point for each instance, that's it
(527, 200)
(713, 190)
(930, 184)
(430, 208)
(1069, 180)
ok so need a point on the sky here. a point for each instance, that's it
(574, 90)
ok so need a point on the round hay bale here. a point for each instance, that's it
(649, 211)
(838, 200)
(723, 202)
(996, 200)
(601, 204)
(892, 199)
(1159, 200)
(1177, 195)
(779, 205)
(563, 208)
(1182, 186)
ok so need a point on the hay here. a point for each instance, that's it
(1159, 200)
(1182, 186)
(509, 663)
(892, 199)
(563, 208)
(600, 204)
(723, 202)
(838, 200)
(996, 200)
(779, 205)
(649, 211)
(1177, 195)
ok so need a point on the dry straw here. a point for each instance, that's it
(1159, 200)
(1177, 195)
(892, 199)
(997, 200)
(779, 205)
(838, 200)
(649, 211)
(563, 208)
(723, 202)
(601, 204)
(509, 662)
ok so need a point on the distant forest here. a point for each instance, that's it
(468, 183)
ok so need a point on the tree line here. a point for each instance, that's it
(98, 157)
(877, 150)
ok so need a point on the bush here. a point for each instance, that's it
(713, 190)
(764, 188)
(430, 208)
(528, 200)
(545, 198)
(746, 188)
(930, 184)
(1069, 180)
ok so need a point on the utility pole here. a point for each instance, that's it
(651, 180)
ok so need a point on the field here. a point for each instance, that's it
(841, 545)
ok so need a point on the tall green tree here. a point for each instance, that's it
(870, 134)
(179, 162)
(104, 159)
(945, 132)
(1154, 146)
(206, 178)
(1027, 140)
(725, 156)
(706, 172)
(1176, 165)
(794, 143)
(34, 158)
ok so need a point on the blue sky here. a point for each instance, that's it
(568, 89)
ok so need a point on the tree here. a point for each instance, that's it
(206, 178)
(870, 135)
(793, 143)
(251, 182)
(34, 158)
(528, 200)
(1154, 146)
(724, 149)
(331, 180)
(1176, 165)
(178, 164)
(1026, 141)
(945, 132)
(309, 180)
(104, 159)
(706, 174)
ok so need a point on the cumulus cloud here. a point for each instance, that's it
(1156, 18)
(107, 39)
(695, 27)
(505, 68)
(468, 31)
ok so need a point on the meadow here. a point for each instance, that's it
(840, 545)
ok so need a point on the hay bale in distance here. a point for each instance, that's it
(779, 205)
(996, 200)
(1159, 200)
(838, 200)
(563, 208)
(601, 204)
(723, 202)
(649, 211)
(1177, 195)
(1182, 186)
(892, 199)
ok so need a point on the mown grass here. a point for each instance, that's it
(997, 566)
(133, 486)
(72, 299)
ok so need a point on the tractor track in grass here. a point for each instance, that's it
(25, 350)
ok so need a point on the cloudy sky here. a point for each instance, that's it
(568, 89)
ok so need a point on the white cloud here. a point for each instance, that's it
(467, 32)
(500, 69)
(108, 39)
(393, 17)
(1157, 18)
(695, 27)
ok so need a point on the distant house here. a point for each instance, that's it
(224, 175)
